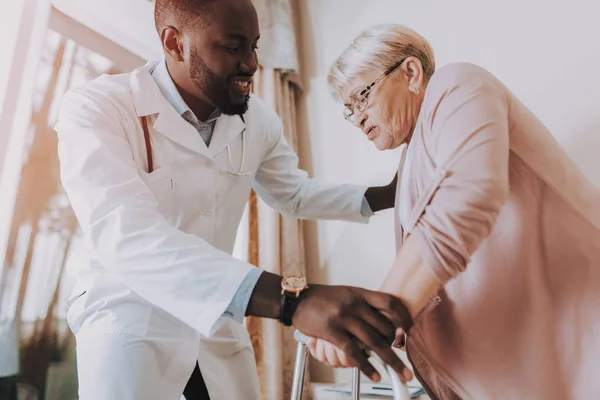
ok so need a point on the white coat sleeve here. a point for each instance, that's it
(177, 272)
(289, 190)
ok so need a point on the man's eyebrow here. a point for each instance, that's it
(239, 36)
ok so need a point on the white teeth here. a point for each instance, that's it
(242, 83)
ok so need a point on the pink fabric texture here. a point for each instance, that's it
(511, 227)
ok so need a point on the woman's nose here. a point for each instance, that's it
(359, 119)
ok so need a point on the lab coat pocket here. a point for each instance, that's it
(228, 340)
(75, 309)
(162, 185)
(74, 298)
(230, 185)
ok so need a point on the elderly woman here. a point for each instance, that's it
(498, 232)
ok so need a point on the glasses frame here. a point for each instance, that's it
(360, 102)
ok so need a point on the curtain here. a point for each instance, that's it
(275, 242)
(278, 45)
(276, 245)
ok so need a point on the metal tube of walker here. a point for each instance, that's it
(355, 395)
(399, 389)
(300, 366)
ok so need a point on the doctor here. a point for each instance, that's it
(158, 165)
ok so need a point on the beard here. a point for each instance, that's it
(217, 89)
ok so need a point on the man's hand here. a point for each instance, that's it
(350, 318)
(353, 319)
(382, 197)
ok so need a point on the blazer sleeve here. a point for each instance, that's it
(467, 116)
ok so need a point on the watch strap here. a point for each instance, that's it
(288, 305)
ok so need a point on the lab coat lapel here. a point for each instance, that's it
(172, 125)
(227, 128)
(148, 100)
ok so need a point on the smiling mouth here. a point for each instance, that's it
(242, 84)
(241, 87)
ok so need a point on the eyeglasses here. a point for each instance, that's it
(360, 101)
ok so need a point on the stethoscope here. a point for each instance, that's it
(232, 171)
(240, 171)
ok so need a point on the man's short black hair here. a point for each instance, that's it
(184, 12)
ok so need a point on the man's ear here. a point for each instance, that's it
(172, 43)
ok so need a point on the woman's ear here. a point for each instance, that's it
(414, 71)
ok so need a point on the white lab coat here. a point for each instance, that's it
(161, 273)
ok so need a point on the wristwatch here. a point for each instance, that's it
(292, 287)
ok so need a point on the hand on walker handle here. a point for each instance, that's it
(399, 388)
(353, 318)
(333, 357)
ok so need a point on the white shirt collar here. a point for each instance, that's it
(171, 94)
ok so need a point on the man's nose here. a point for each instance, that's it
(249, 63)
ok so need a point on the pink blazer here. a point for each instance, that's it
(511, 227)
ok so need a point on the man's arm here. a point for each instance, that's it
(175, 271)
(375, 199)
(289, 190)
(181, 273)
(382, 197)
(349, 317)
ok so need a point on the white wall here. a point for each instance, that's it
(548, 53)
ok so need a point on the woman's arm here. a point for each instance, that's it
(468, 138)
(410, 279)
(467, 112)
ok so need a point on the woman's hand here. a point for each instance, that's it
(333, 357)
(328, 354)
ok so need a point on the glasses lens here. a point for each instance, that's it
(348, 112)
(361, 103)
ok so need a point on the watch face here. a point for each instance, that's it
(293, 283)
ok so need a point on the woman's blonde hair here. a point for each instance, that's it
(376, 49)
